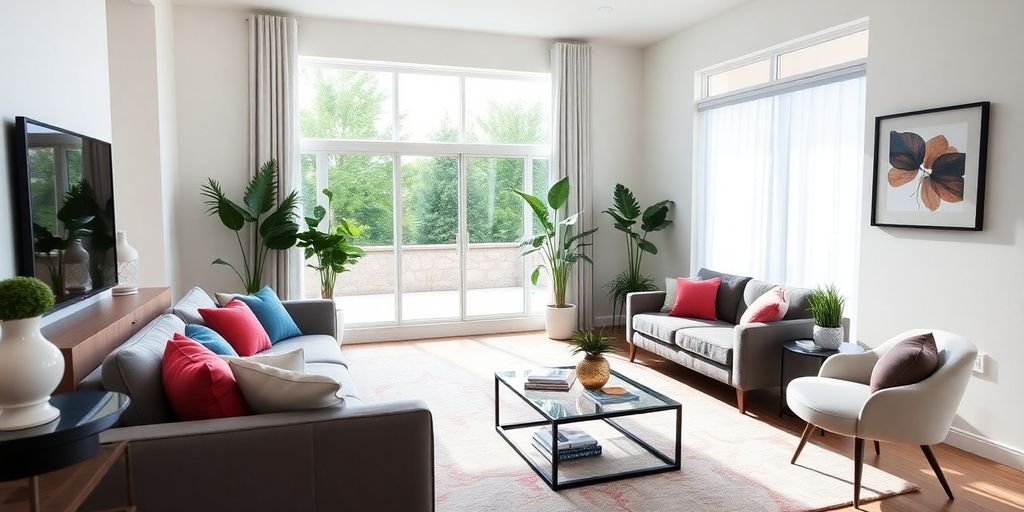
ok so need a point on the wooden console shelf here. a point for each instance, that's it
(87, 336)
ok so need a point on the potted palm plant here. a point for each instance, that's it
(826, 306)
(626, 212)
(560, 248)
(273, 228)
(593, 370)
(30, 366)
(329, 252)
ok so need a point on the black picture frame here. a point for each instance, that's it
(981, 110)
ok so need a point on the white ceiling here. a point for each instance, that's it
(629, 22)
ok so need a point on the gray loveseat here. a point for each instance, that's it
(355, 456)
(746, 357)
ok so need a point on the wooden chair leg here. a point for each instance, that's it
(858, 469)
(930, 455)
(878, 448)
(741, 400)
(808, 430)
(632, 352)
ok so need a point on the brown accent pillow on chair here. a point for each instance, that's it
(911, 360)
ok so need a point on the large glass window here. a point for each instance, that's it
(425, 159)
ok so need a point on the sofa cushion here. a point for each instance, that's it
(187, 308)
(134, 369)
(269, 389)
(198, 383)
(271, 313)
(770, 307)
(338, 373)
(907, 362)
(797, 298)
(714, 343)
(662, 327)
(237, 324)
(210, 339)
(695, 298)
(730, 293)
(317, 348)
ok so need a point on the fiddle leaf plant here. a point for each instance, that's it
(626, 213)
(559, 245)
(273, 229)
(332, 251)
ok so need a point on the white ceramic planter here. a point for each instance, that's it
(560, 323)
(30, 369)
(828, 338)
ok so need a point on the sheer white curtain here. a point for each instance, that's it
(778, 187)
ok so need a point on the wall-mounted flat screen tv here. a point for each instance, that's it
(64, 196)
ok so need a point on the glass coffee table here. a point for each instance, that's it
(628, 432)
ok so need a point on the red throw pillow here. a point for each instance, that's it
(239, 326)
(695, 298)
(198, 383)
(770, 307)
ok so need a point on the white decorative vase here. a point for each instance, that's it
(560, 323)
(828, 338)
(127, 267)
(30, 369)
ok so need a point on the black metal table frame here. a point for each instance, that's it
(670, 464)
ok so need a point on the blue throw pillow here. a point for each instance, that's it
(271, 314)
(210, 339)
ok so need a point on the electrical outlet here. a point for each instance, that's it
(979, 363)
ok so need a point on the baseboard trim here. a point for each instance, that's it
(987, 448)
(354, 335)
(603, 321)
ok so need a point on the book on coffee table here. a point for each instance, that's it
(609, 396)
(550, 379)
(573, 443)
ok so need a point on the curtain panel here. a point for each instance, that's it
(570, 81)
(273, 69)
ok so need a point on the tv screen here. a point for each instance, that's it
(65, 204)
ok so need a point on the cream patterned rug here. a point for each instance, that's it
(730, 462)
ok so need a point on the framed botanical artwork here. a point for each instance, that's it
(930, 168)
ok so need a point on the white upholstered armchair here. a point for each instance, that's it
(838, 400)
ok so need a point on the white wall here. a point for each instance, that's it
(969, 283)
(211, 79)
(55, 58)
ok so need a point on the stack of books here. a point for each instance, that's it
(572, 444)
(550, 379)
(611, 395)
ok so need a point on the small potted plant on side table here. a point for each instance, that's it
(826, 306)
(30, 366)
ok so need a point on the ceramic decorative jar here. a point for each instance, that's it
(127, 267)
(593, 372)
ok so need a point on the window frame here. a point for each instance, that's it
(775, 82)
(322, 149)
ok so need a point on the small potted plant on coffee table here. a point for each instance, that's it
(826, 306)
(593, 371)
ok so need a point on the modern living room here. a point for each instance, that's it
(712, 255)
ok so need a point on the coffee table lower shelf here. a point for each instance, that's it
(548, 470)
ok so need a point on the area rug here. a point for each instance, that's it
(730, 462)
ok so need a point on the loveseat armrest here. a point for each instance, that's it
(757, 355)
(851, 367)
(358, 457)
(314, 316)
(641, 302)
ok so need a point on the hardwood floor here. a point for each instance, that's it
(977, 483)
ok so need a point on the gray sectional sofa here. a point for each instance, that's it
(746, 357)
(355, 456)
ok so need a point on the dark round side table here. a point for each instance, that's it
(71, 438)
(806, 348)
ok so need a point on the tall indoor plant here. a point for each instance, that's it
(560, 248)
(626, 212)
(826, 306)
(331, 251)
(30, 366)
(273, 228)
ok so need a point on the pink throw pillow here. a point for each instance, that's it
(198, 383)
(770, 307)
(239, 326)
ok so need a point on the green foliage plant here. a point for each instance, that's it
(77, 215)
(273, 228)
(559, 245)
(626, 213)
(332, 251)
(592, 342)
(24, 297)
(826, 306)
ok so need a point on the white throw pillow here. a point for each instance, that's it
(223, 298)
(670, 294)
(294, 360)
(268, 389)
